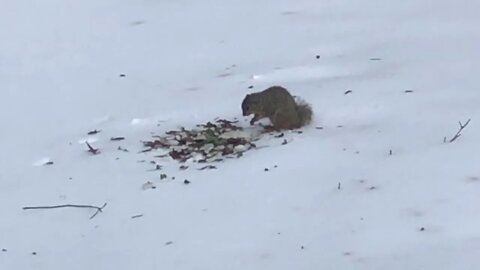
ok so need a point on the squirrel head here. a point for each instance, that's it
(249, 105)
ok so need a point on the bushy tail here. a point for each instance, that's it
(305, 112)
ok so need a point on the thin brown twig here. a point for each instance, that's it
(459, 132)
(99, 209)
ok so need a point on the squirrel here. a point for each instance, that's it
(277, 104)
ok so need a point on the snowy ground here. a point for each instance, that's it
(187, 62)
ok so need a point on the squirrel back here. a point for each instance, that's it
(277, 104)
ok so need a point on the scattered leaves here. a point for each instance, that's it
(186, 182)
(206, 143)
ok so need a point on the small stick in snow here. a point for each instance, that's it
(339, 186)
(462, 126)
(93, 132)
(92, 150)
(210, 167)
(99, 209)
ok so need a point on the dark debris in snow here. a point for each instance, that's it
(210, 142)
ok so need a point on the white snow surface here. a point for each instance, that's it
(187, 62)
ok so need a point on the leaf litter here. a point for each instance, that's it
(210, 142)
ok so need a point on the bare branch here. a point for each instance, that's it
(459, 132)
(99, 209)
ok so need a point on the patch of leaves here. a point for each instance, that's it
(209, 142)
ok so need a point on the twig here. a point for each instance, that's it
(91, 149)
(462, 126)
(99, 209)
(93, 132)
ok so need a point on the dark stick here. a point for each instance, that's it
(462, 126)
(91, 149)
(99, 209)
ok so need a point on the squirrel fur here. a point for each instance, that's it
(277, 104)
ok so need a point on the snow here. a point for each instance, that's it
(375, 187)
